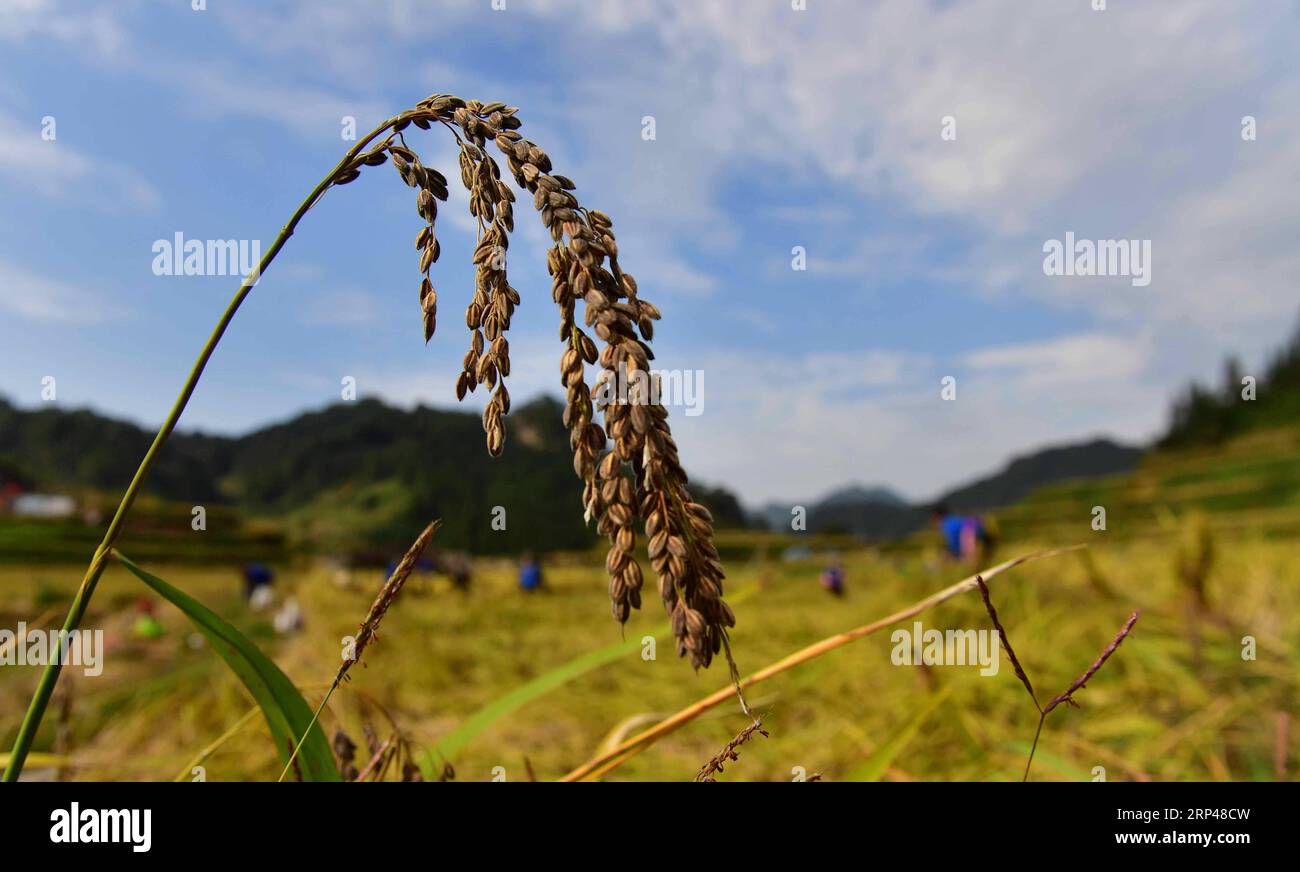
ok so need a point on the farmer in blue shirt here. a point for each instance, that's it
(530, 573)
(964, 536)
(832, 579)
(256, 575)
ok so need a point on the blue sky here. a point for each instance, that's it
(775, 128)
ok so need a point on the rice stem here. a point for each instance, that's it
(77, 611)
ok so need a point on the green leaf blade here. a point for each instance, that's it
(287, 713)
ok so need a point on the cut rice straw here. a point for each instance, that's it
(604, 763)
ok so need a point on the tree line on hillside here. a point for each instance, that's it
(1206, 415)
(353, 476)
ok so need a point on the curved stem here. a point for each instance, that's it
(188, 770)
(45, 688)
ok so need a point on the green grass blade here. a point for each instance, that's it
(287, 713)
(455, 741)
(469, 729)
(874, 766)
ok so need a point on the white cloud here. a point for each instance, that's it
(61, 170)
(1125, 120)
(91, 30)
(1066, 361)
(37, 298)
(344, 308)
(782, 427)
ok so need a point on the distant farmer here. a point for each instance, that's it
(965, 537)
(530, 573)
(288, 620)
(832, 579)
(460, 569)
(257, 584)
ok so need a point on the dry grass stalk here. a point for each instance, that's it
(1082, 680)
(608, 760)
(394, 753)
(1068, 694)
(385, 598)
(1006, 642)
(379, 761)
(369, 628)
(187, 771)
(731, 752)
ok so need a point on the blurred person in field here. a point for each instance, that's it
(965, 537)
(832, 579)
(530, 573)
(460, 569)
(257, 586)
(288, 620)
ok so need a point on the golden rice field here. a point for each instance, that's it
(488, 680)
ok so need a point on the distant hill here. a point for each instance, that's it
(860, 495)
(1248, 483)
(359, 475)
(847, 500)
(1094, 459)
(49, 446)
(878, 513)
(364, 475)
(1230, 459)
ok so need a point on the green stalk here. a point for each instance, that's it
(1034, 747)
(293, 755)
(45, 688)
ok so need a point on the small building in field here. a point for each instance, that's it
(53, 506)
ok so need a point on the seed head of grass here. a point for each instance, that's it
(1067, 695)
(629, 467)
(1006, 642)
(386, 596)
(731, 752)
